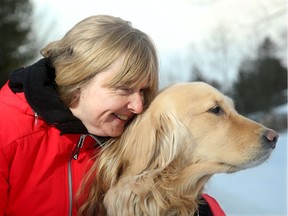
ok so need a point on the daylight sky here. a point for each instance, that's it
(184, 31)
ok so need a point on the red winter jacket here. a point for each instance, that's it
(41, 162)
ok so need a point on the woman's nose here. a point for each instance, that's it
(136, 103)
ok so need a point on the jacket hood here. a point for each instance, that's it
(38, 84)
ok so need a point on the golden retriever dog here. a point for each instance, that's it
(160, 165)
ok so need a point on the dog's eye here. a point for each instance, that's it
(216, 110)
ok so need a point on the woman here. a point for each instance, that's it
(56, 113)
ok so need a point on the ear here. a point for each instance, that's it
(170, 135)
(152, 141)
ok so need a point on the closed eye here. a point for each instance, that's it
(216, 110)
(124, 90)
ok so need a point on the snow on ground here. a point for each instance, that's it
(257, 191)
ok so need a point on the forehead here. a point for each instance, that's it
(200, 97)
(122, 74)
(113, 76)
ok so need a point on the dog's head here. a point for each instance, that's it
(195, 123)
(189, 132)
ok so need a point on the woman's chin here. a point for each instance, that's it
(109, 132)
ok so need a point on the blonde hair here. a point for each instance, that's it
(94, 44)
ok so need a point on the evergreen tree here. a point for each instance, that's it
(261, 82)
(16, 47)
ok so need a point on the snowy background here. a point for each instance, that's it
(261, 190)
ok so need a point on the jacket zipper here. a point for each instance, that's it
(35, 119)
(97, 140)
(74, 156)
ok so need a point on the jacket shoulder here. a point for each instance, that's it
(17, 118)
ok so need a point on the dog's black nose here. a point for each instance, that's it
(270, 138)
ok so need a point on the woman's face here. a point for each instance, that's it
(105, 110)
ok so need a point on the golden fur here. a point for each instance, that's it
(161, 163)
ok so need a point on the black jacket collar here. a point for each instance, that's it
(37, 83)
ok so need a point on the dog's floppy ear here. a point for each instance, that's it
(169, 132)
(153, 142)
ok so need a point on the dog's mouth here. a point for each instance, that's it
(252, 162)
